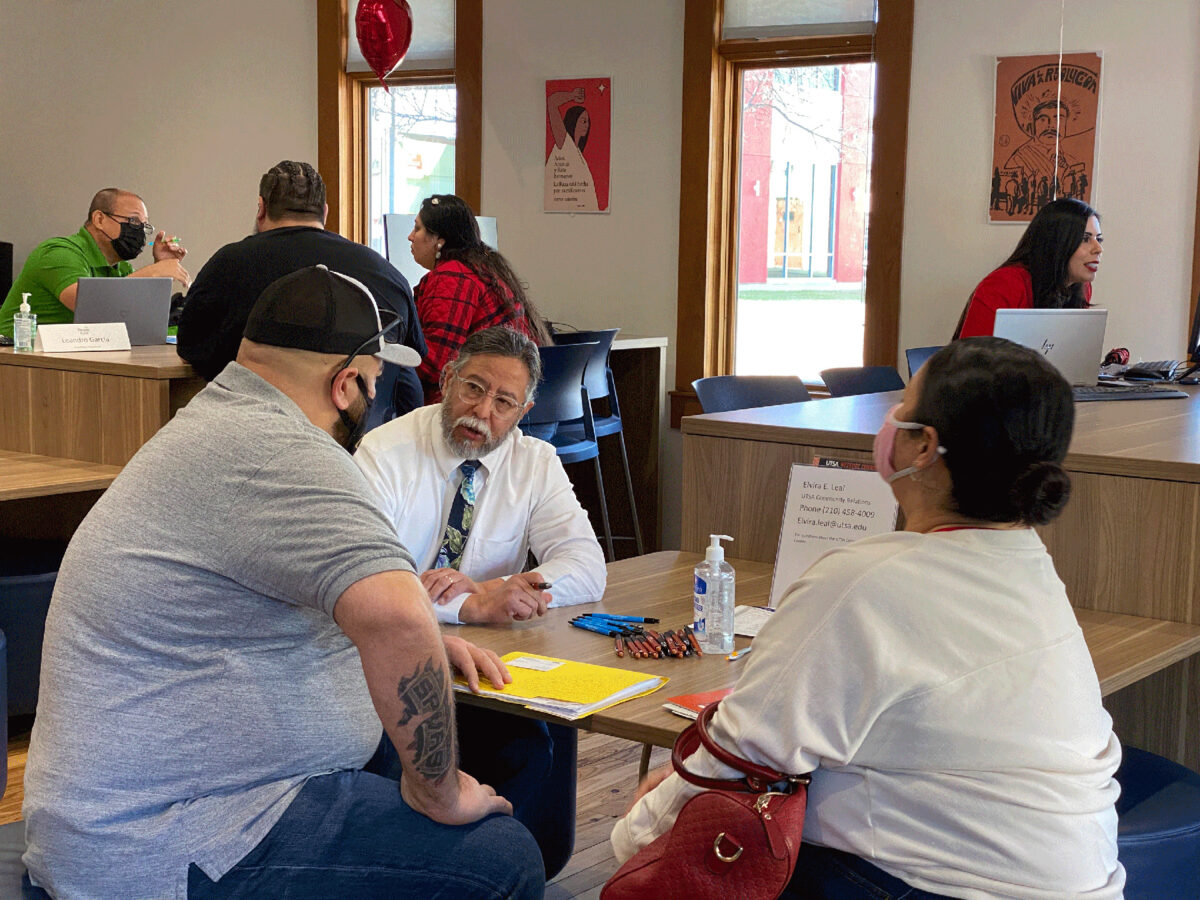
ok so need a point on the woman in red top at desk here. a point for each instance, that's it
(1052, 268)
(469, 287)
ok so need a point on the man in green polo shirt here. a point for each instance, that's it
(114, 233)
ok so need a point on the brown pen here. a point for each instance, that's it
(681, 642)
(673, 642)
(692, 640)
(619, 646)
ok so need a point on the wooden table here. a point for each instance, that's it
(1127, 543)
(69, 421)
(1124, 648)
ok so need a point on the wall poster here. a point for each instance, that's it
(1031, 114)
(578, 144)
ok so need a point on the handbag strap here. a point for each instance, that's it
(758, 778)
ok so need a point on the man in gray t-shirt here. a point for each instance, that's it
(230, 626)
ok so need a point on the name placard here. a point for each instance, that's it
(827, 507)
(76, 338)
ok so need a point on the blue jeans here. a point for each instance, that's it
(349, 834)
(533, 765)
(825, 874)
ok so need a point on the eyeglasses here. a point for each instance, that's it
(473, 392)
(387, 333)
(146, 227)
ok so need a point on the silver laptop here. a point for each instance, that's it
(143, 304)
(396, 228)
(1071, 339)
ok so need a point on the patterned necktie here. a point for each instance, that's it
(458, 526)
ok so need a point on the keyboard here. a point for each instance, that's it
(1089, 392)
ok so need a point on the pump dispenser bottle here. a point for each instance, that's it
(713, 599)
(24, 327)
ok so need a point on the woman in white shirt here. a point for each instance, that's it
(935, 681)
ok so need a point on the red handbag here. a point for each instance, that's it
(739, 838)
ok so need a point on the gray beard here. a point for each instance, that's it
(466, 449)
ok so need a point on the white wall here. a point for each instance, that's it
(592, 271)
(1145, 186)
(186, 104)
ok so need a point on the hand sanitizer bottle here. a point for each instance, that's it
(712, 600)
(24, 327)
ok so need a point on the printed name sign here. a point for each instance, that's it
(827, 507)
(76, 338)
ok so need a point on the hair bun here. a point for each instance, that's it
(1040, 492)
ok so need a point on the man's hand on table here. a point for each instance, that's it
(473, 661)
(500, 601)
(443, 585)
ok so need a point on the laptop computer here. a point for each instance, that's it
(143, 304)
(1073, 341)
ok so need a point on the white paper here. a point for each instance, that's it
(530, 662)
(747, 620)
(76, 338)
(825, 508)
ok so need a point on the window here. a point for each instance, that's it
(802, 218)
(376, 149)
(796, 227)
(410, 149)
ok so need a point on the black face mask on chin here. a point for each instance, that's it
(130, 242)
(354, 431)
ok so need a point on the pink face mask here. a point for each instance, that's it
(885, 443)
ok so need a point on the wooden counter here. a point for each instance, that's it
(70, 421)
(1127, 543)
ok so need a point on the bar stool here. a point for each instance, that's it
(599, 384)
(1158, 826)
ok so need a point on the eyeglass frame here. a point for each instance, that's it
(373, 339)
(147, 228)
(484, 392)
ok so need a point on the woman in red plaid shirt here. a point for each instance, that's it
(469, 287)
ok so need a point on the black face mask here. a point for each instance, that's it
(356, 430)
(130, 242)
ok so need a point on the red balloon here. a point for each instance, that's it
(384, 29)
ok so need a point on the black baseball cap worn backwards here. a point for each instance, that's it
(326, 312)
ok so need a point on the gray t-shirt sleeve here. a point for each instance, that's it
(307, 546)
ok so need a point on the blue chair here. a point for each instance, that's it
(725, 393)
(562, 398)
(861, 380)
(12, 836)
(1158, 827)
(918, 356)
(28, 570)
(600, 385)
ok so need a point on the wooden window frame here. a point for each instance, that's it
(712, 70)
(342, 113)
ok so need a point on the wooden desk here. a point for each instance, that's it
(1127, 542)
(69, 421)
(1124, 648)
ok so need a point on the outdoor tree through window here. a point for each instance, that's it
(802, 218)
(410, 147)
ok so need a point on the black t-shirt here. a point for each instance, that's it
(219, 301)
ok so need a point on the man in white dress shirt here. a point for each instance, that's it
(471, 497)
(522, 499)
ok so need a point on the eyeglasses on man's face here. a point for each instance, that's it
(471, 391)
(146, 227)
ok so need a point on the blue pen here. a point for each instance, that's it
(597, 628)
(615, 618)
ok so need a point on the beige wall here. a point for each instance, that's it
(186, 104)
(592, 271)
(1145, 186)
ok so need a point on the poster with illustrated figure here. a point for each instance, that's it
(578, 144)
(1044, 139)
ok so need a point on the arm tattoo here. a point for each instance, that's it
(426, 693)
